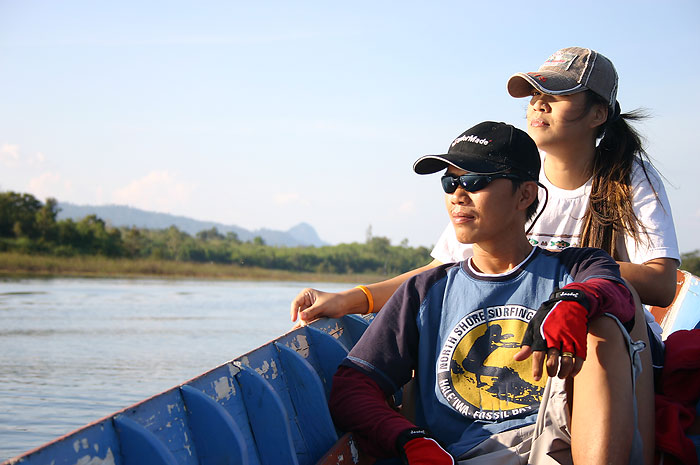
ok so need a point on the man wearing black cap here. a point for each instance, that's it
(468, 329)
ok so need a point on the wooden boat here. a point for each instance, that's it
(267, 407)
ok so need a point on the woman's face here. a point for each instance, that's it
(562, 121)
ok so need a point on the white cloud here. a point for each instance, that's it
(38, 159)
(9, 154)
(407, 207)
(158, 190)
(286, 198)
(11, 157)
(50, 184)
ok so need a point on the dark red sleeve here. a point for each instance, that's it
(606, 296)
(357, 404)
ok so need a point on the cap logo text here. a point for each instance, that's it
(470, 138)
(560, 59)
(538, 76)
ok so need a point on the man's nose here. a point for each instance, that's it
(460, 196)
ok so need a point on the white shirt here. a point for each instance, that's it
(560, 224)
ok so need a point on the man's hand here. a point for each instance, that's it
(560, 327)
(417, 448)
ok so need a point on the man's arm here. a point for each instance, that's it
(358, 404)
(606, 296)
(380, 363)
(559, 329)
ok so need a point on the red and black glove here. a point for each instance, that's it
(560, 323)
(417, 448)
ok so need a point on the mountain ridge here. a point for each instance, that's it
(303, 234)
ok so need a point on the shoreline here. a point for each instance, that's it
(24, 266)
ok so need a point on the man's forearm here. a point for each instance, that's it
(358, 404)
(606, 296)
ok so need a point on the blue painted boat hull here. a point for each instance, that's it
(267, 407)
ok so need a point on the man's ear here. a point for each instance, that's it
(527, 193)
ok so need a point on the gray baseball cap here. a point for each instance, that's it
(569, 71)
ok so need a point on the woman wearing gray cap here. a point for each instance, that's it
(604, 194)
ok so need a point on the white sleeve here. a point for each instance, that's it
(654, 211)
(448, 249)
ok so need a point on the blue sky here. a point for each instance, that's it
(267, 114)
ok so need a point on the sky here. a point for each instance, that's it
(268, 114)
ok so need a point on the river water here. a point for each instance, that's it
(75, 350)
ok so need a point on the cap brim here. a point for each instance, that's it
(429, 164)
(521, 84)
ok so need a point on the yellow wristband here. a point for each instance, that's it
(370, 300)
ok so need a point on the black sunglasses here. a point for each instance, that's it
(472, 182)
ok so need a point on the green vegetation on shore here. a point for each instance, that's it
(18, 265)
(691, 262)
(33, 242)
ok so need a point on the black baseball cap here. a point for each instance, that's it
(487, 148)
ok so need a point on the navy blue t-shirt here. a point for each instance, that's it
(459, 329)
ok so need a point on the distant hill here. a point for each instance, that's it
(302, 234)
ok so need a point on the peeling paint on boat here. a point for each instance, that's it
(224, 388)
(302, 345)
(266, 367)
(337, 331)
(87, 460)
(233, 369)
(80, 442)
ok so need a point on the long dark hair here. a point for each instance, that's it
(610, 214)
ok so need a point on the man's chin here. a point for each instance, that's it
(466, 233)
(465, 238)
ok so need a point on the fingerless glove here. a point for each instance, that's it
(560, 323)
(416, 447)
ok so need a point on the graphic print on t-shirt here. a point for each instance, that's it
(553, 241)
(476, 372)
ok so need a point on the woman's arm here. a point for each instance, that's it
(653, 277)
(654, 281)
(310, 304)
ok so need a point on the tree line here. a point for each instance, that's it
(29, 226)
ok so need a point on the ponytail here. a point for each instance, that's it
(610, 213)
